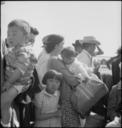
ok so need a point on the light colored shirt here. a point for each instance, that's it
(47, 103)
(42, 65)
(78, 69)
(85, 58)
(23, 60)
(103, 69)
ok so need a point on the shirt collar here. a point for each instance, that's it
(87, 53)
(48, 94)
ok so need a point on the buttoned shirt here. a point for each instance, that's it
(47, 103)
(85, 58)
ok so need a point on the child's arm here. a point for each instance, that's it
(14, 76)
(59, 66)
(40, 116)
(21, 64)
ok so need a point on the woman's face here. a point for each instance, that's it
(59, 47)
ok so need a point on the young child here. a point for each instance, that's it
(47, 112)
(19, 67)
(74, 66)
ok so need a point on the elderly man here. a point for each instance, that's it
(89, 44)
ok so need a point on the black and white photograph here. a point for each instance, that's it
(61, 64)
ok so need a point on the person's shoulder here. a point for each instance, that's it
(55, 59)
(40, 94)
(115, 87)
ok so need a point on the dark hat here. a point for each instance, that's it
(77, 43)
(90, 40)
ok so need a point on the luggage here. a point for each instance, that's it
(94, 120)
(85, 95)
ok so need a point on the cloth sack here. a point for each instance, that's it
(85, 95)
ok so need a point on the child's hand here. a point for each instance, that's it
(3, 89)
(6, 86)
(58, 113)
(85, 80)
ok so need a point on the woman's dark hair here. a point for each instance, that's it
(52, 74)
(50, 41)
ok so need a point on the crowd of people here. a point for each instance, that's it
(37, 91)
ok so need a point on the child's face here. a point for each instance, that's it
(32, 38)
(15, 36)
(53, 85)
(67, 60)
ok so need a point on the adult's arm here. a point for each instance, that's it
(56, 64)
(45, 116)
(99, 52)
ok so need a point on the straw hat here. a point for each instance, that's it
(90, 40)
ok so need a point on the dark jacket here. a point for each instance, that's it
(114, 101)
(116, 70)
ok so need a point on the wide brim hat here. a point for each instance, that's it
(90, 40)
(77, 43)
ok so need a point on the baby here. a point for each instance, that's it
(68, 55)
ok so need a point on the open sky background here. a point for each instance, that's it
(72, 19)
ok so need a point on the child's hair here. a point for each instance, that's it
(68, 52)
(52, 74)
(34, 31)
(50, 41)
(23, 25)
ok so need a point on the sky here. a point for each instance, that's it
(71, 19)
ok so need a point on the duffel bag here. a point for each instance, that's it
(85, 95)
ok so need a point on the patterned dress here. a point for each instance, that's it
(23, 60)
(70, 118)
